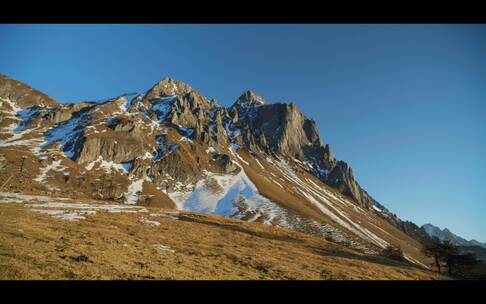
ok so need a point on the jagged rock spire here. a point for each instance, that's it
(248, 99)
(328, 157)
(234, 115)
(214, 103)
(168, 87)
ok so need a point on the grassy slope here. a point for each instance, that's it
(118, 246)
(388, 232)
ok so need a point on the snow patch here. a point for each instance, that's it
(147, 155)
(108, 166)
(187, 132)
(135, 187)
(8, 197)
(54, 166)
(377, 209)
(149, 222)
(210, 150)
(258, 162)
(164, 248)
(69, 216)
(241, 159)
(163, 106)
(165, 215)
(234, 147)
(410, 259)
(277, 183)
(127, 166)
(112, 208)
(162, 149)
(26, 115)
(324, 202)
(12, 105)
(67, 133)
(226, 195)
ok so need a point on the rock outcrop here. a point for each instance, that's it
(284, 130)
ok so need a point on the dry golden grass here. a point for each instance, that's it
(119, 246)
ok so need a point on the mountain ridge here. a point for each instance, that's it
(171, 147)
(446, 234)
(340, 173)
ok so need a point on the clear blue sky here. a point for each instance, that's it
(404, 105)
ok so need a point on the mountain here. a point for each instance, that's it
(171, 147)
(446, 234)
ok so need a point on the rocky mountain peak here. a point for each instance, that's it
(168, 87)
(327, 150)
(213, 103)
(249, 98)
(284, 130)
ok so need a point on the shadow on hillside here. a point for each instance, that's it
(236, 228)
(365, 258)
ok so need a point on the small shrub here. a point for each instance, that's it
(263, 267)
(393, 253)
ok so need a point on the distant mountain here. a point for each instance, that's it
(446, 234)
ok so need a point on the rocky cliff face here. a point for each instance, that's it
(172, 147)
(284, 130)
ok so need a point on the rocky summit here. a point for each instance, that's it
(173, 148)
